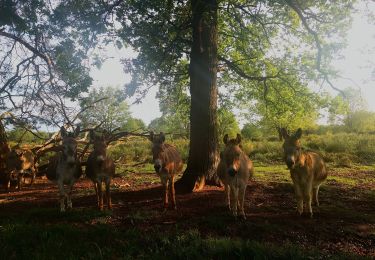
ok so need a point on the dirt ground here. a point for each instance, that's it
(345, 222)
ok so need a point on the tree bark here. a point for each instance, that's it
(203, 152)
(4, 149)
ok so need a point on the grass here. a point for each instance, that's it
(65, 241)
(273, 172)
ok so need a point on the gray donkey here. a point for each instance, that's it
(307, 170)
(100, 168)
(65, 168)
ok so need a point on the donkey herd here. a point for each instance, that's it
(235, 169)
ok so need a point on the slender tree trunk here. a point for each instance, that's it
(4, 149)
(203, 153)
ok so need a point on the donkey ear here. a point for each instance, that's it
(162, 137)
(77, 131)
(298, 134)
(151, 137)
(238, 139)
(284, 133)
(63, 132)
(225, 139)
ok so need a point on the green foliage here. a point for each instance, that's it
(176, 124)
(251, 131)
(25, 137)
(106, 106)
(349, 108)
(44, 60)
(342, 149)
(338, 108)
(135, 150)
(139, 150)
(227, 124)
(133, 124)
(360, 121)
(266, 53)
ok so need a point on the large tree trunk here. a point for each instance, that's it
(203, 153)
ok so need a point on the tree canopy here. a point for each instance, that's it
(42, 60)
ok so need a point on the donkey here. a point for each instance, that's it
(307, 170)
(65, 168)
(167, 164)
(234, 170)
(100, 168)
(18, 162)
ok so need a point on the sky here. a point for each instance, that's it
(357, 68)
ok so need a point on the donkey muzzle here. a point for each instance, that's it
(232, 172)
(290, 164)
(70, 161)
(157, 168)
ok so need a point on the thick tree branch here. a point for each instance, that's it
(28, 46)
(243, 74)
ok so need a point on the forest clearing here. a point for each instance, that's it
(189, 129)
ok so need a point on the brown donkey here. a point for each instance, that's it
(167, 164)
(234, 170)
(18, 162)
(100, 168)
(307, 170)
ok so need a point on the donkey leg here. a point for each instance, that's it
(164, 182)
(227, 196)
(33, 175)
(7, 185)
(108, 193)
(100, 195)
(61, 196)
(299, 197)
(315, 196)
(172, 193)
(241, 199)
(234, 200)
(19, 180)
(69, 196)
(96, 193)
(308, 198)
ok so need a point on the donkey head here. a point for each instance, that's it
(69, 145)
(158, 151)
(292, 147)
(231, 154)
(100, 145)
